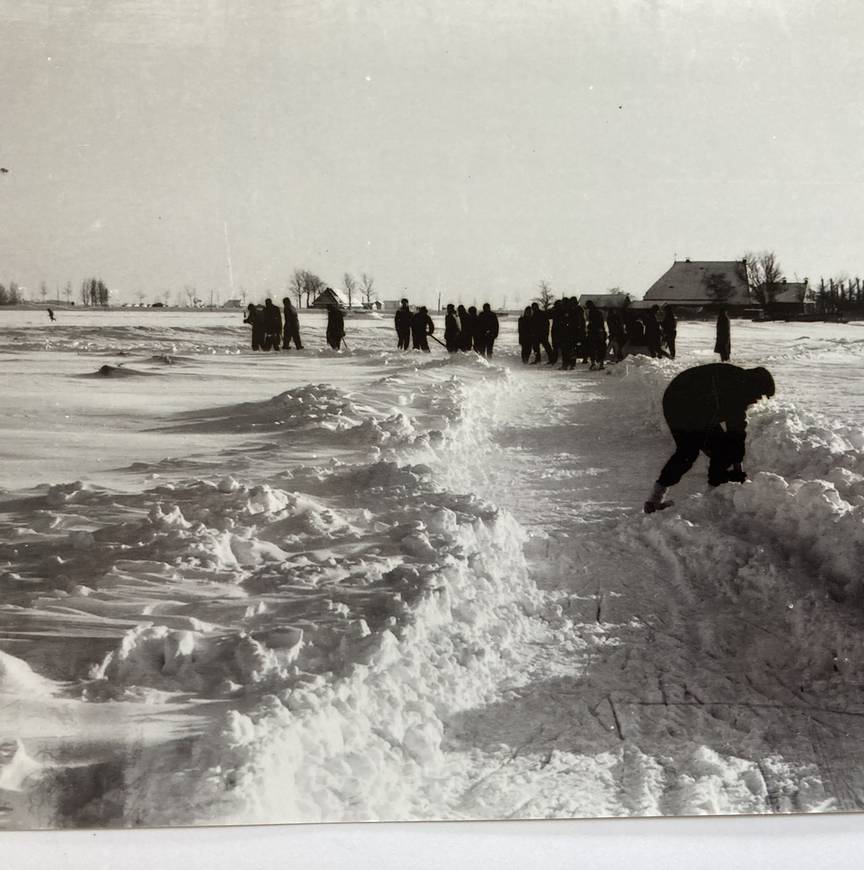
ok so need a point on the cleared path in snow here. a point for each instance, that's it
(689, 696)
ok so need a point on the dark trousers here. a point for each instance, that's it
(490, 343)
(291, 334)
(404, 338)
(722, 448)
(542, 341)
(271, 341)
(526, 351)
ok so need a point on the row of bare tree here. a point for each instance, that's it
(307, 285)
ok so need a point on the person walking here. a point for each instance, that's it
(526, 333)
(255, 318)
(50, 315)
(670, 329)
(291, 331)
(723, 342)
(451, 330)
(335, 326)
(706, 410)
(402, 321)
(487, 327)
(272, 326)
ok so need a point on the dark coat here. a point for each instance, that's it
(335, 324)
(451, 329)
(723, 344)
(526, 332)
(487, 324)
(421, 324)
(272, 317)
(403, 320)
(701, 398)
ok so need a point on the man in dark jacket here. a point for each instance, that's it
(403, 325)
(272, 326)
(653, 332)
(335, 327)
(670, 329)
(421, 328)
(540, 331)
(487, 327)
(706, 410)
(291, 331)
(451, 330)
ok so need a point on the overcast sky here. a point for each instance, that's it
(467, 147)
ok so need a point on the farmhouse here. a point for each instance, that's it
(792, 297)
(329, 296)
(702, 284)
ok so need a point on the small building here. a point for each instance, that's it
(329, 296)
(233, 303)
(606, 301)
(702, 285)
(791, 298)
(392, 304)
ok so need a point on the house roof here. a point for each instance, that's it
(794, 292)
(701, 282)
(605, 300)
(330, 296)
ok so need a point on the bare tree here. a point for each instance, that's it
(296, 285)
(166, 296)
(763, 274)
(141, 297)
(350, 285)
(367, 288)
(312, 286)
(190, 292)
(545, 296)
(67, 292)
(43, 291)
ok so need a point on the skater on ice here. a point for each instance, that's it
(451, 330)
(487, 323)
(706, 410)
(421, 328)
(255, 318)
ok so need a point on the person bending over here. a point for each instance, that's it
(706, 410)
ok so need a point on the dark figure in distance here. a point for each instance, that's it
(487, 327)
(556, 330)
(723, 344)
(50, 315)
(670, 329)
(540, 330)
(255, 318)
(291, 331)
(464, 328)
(526, 334)
(421, 328)
(596, 336)
(617, 335)
(335, 327)
(653, 332)
(403, 325)
(451, 330)
(272, 326)
(473, 339)
(706, 410)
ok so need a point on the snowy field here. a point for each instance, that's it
(327, 586)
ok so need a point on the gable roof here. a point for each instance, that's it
(794, 292)
(605, 300)
(701, 282)
(329, 296)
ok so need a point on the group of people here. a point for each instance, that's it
(269, 332)
(464, 328)
(568, 332)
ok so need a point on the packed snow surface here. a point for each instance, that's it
(366, 584)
